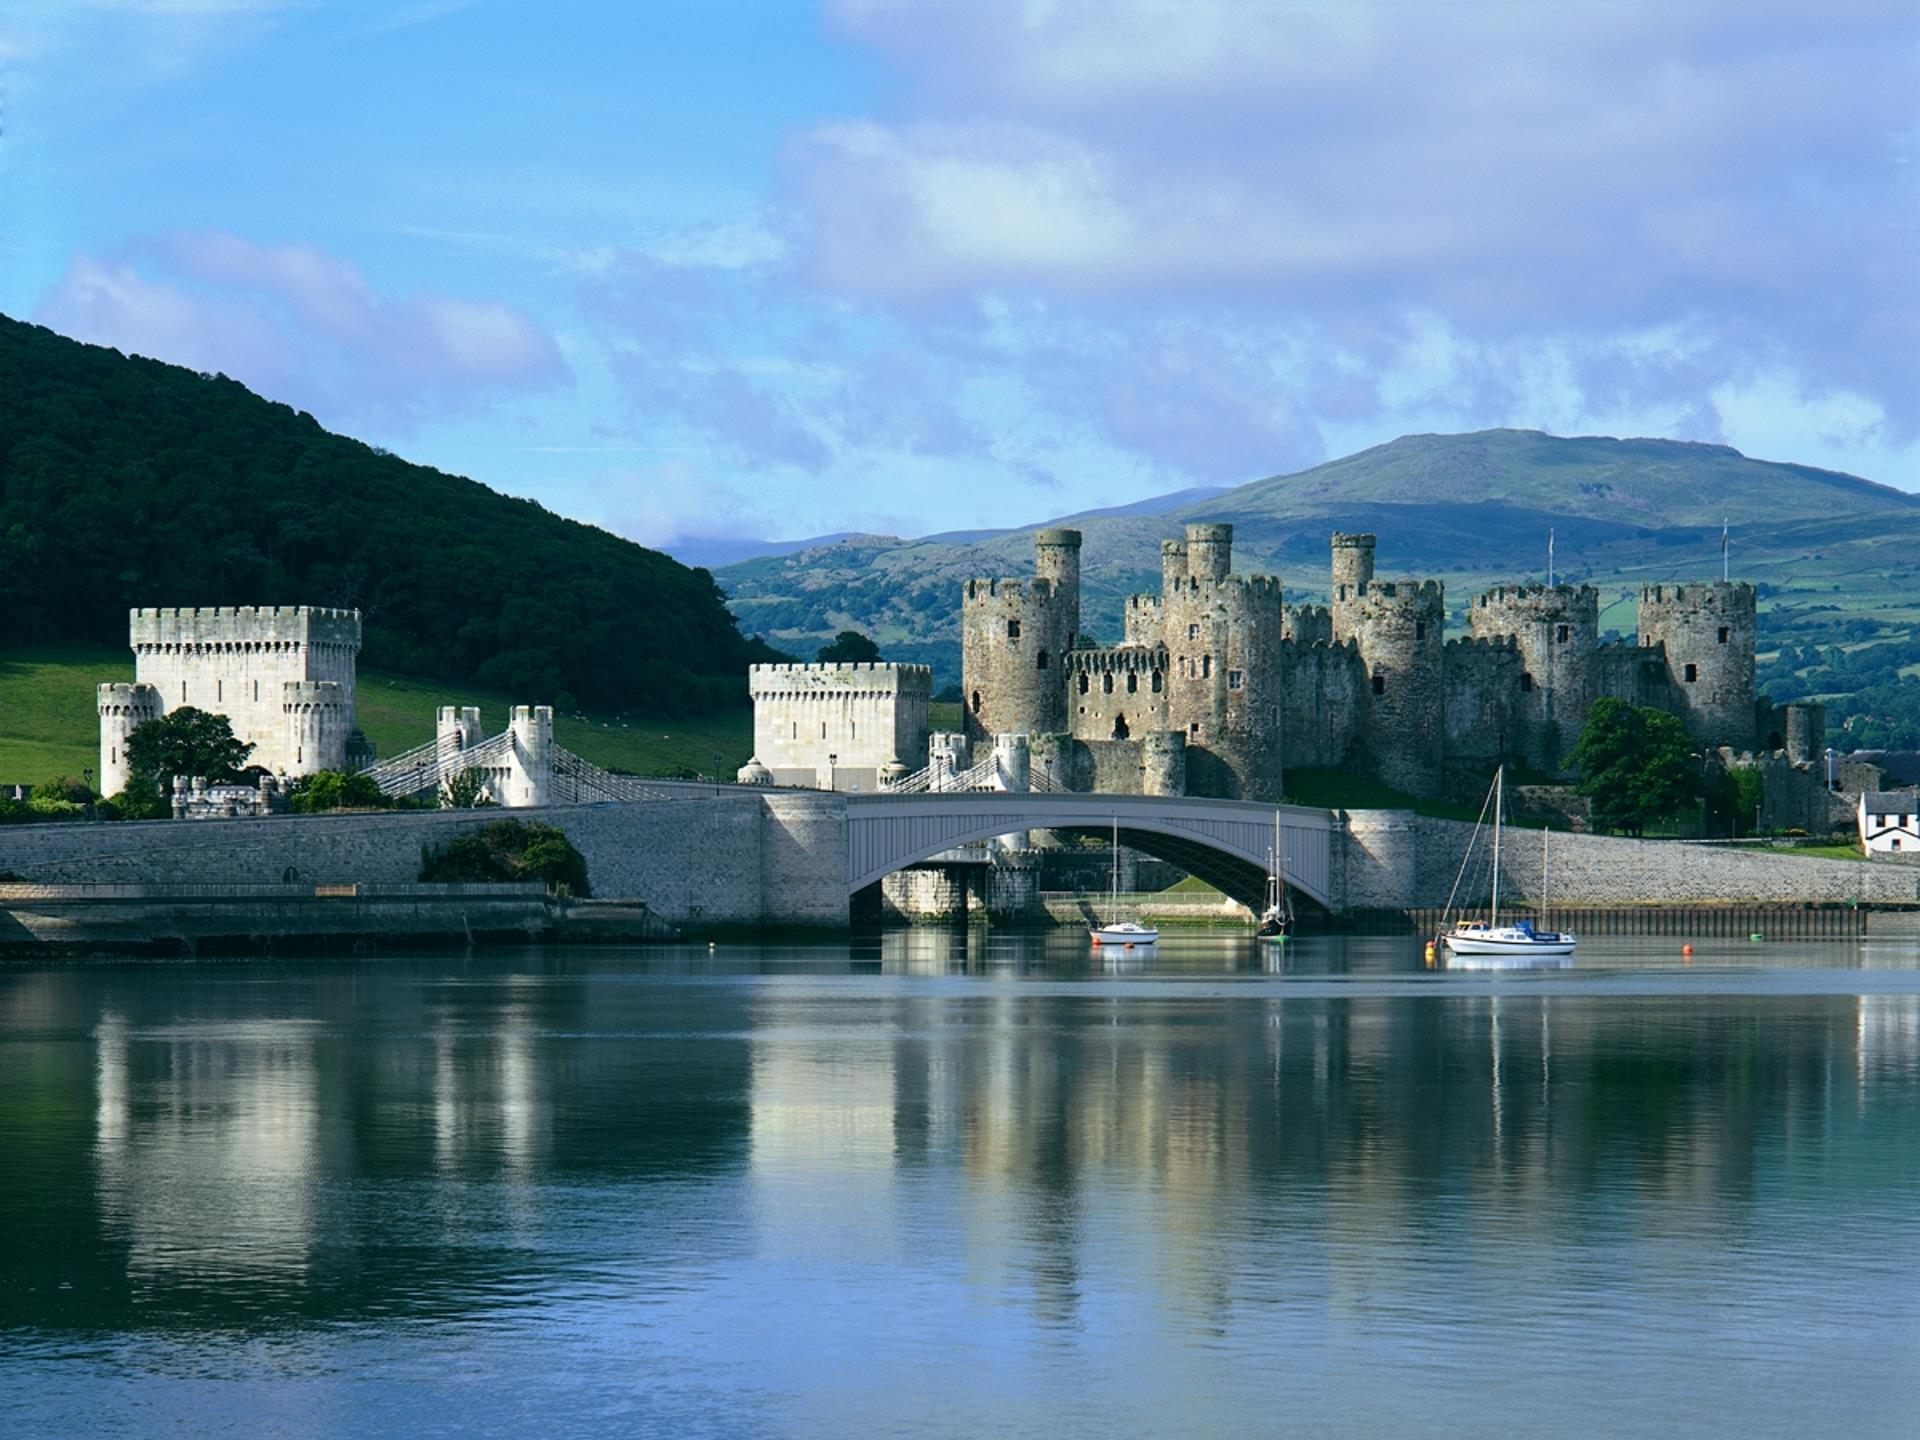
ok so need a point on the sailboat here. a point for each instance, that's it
(1276, 924)
(1490, 941)
(1117, 931)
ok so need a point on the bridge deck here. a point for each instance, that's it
(1223, 841)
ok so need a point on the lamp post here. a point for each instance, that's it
(1829, 767)
(832, 761)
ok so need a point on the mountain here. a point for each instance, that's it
(127, 482)
(1470, 509)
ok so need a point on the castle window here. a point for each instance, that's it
(1120, 731)
(1157, 682)
(1183, 667)
(796, 730)
(1083, 682)
(823, 729)
(1133, 683)
(1693, 673)
(219, 691)
(1724, 633)
(1106, 683)
(256, 689)
(976, 699)
(1379, 684)
(1419, 629)
(1013, 629)
(1193, 632)
(1193, 730)
(1236, 679)
(1040, 661)
(1561, 634)
(1206, 666)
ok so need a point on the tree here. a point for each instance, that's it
(464, 790)
(337, 790)
(141, 800)
(509, 850)
(849, 647)
(1636, 765)
(186, 742)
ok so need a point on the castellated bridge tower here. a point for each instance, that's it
(1014, 639)
(1557, 631)
(1706, 630)
(1222, 634)
(283, 675)
(123, 709)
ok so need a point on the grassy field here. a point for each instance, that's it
(49, 725)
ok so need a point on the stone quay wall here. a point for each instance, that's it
(725, 858)
(1396, 860)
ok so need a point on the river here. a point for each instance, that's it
(910, 1187)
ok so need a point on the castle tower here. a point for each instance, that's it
(530, 758)
(1056, 559)
(1209, 551)
(1014, 639)
(237, 660)
(1222, 638)
(1400, 630)
(457, 727)
(1352, 573)
(1706, 629)
(1557, 630)
(316, 718)
(1173, 565)
(123, 709)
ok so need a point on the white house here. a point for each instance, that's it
(1890, 821)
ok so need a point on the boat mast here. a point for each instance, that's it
(1545, 831)
(1113, 905)
(1499, 800)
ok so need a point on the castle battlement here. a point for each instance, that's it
(1566, 594)
(983, 590)
(303, 695)
(241, 612)
(840, 681)
(1482, 644)
(1698, 592)
(1118, 657)
(1431, 592)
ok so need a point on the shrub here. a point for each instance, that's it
(510, 850)
(336, 790)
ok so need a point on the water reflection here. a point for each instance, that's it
(1184, 1169)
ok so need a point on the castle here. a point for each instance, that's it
(837, 727)
(283, 675)
(1219, 686)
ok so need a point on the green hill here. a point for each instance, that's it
(1837, 557)
(127, 482)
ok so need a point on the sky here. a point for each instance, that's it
(778, 269)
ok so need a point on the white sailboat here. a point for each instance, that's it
(1116, 931)
(1276, 924)
(1488, 943)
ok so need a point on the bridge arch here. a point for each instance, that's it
(1224, 842)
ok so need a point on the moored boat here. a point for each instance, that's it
(1127, 933)
(1520, 942)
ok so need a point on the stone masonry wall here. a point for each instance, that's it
(776, 858)
(1394, 859)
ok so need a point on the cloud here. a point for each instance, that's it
(1228, 216)
(301, 326)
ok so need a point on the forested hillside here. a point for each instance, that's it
(127, 482)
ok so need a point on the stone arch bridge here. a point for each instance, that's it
(1224, 842)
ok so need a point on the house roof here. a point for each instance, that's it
(1898, 801)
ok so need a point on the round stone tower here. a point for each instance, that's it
(1806, 737)
(1173, 566)
(1209, 551)
(1163, 763)
(1400, 628)
(1557, 630)
(1352, 573)
(123, 709)
(1014, 639)
(1222, 635)
(1706, 628)
(319, 716)
(1056, 559)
